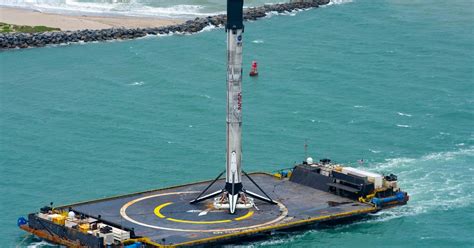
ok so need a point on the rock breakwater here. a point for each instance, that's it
(25, 40)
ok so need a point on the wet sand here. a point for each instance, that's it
(71, 22)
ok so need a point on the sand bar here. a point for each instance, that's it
(71, 22)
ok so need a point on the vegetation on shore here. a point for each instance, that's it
(10, 28)
(11, 40)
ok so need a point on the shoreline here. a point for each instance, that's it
(30, 17)
(28, 40)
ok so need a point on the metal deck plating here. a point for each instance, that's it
(165, 217)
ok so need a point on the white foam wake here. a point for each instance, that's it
(402, 163)
(437, 181)
(41, 244)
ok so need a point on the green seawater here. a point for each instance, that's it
(389, 81)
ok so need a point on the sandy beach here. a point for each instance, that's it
(90, 28)
(70, 22)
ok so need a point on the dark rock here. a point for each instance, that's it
(24, 40)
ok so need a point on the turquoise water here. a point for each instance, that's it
(387, 81)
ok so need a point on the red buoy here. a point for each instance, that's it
(253, 70)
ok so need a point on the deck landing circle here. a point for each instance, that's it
(172, 211)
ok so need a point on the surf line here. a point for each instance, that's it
(20, 40)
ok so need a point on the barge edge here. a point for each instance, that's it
(300, 218)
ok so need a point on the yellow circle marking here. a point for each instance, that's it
(248, 215)
(158, 213)
(123, 213)
(157, 209)
(199, 222)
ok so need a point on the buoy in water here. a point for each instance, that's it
(253, 70)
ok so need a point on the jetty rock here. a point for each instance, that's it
(26, 40)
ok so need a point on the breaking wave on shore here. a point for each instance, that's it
(178, 9)
(135, 8)
(339, 2)
(110, 9)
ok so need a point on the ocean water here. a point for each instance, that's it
(390, 82)
(143, 8)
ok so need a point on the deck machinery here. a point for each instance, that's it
(241, 205)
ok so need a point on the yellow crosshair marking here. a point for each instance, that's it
(158, 213)
(123, 213)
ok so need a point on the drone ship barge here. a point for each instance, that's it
(228, 208)
(307, 194)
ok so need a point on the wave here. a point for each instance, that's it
(117, 7)
(258, 41)
(137, 83)
(210, 28)
(404, 126)
(436, 181)
(41, 243)
(335, 2)
(135, 8)
(205, 96)
(394, 163)
(404, 114)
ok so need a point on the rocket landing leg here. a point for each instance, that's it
(233, 196)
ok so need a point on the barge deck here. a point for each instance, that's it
(164, 217)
